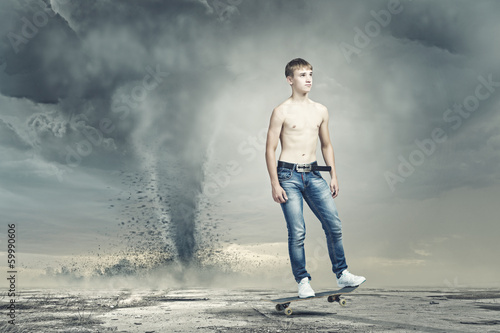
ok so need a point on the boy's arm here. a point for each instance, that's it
(273, 136)
(327, 151)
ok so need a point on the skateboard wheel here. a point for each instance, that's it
(331, 299)
(288, 311)
(279, 307)
(342, 302)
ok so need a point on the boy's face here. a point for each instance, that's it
(301, 80)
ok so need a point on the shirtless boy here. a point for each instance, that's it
(298, 122)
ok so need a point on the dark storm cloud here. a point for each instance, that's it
(37, 44)
(84, 58)
(100, 45)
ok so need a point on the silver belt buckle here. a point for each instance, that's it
(303, 167)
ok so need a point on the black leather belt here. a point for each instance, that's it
(304, 167)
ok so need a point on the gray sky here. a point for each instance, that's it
(140, 125)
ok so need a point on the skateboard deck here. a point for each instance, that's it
(282, 304)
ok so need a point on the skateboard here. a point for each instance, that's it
(282, 304)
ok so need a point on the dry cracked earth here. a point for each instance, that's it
(220, 310)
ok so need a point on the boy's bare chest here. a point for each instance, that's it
(302, 121)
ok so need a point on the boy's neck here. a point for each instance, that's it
(299, 98)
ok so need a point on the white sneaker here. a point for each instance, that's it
(349, 280)
(305, 289)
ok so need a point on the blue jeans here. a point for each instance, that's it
(314, 189)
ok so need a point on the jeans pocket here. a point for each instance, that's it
(284, 174)
(316, 173)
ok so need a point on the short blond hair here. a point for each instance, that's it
(294, 64)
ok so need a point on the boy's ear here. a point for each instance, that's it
(289, 80)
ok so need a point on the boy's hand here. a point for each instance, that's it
(279, 194)
(334, 187)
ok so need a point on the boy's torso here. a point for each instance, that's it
(299, 133)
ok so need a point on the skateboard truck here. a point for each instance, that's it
(336, 298)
